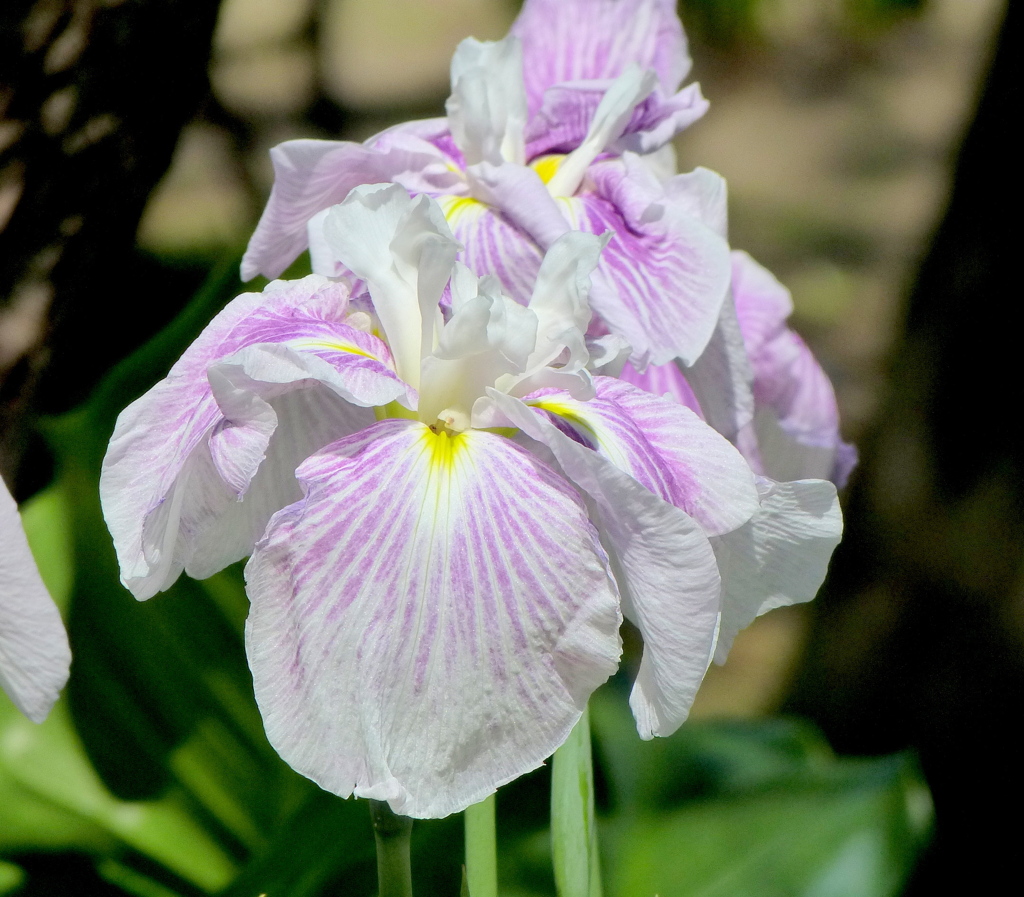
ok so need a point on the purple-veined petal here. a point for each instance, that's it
(522, 197)
(665, 447)
(34, 652)
(312, 175)
(492, 244)
(487, 106)
(780, 557)
(664, 380)
(796, 418)
(583, 40)
(664, 564)
(430, 620)
(564, 119)
(667, 273)
(188, 483)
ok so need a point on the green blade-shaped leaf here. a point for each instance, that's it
(573, 828)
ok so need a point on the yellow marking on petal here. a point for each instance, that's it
(547, 166)
(393, 410)
(444, 447)
(456, 208)
(568, 413)
(332, 346)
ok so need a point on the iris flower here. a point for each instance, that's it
(34, 652)
(544, 133)
(448, 513)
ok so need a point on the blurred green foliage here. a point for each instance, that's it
(152, 776)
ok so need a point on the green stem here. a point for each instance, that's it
(574, 848)
(393, 835)
(481, 849)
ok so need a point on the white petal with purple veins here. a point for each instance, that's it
(664, 565)
(34, 652)
(430, 620)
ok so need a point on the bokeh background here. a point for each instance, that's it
(133, 166)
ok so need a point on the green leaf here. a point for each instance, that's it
(573, 828)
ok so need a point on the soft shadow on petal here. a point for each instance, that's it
(664, 565)
(34, 652)
(780, 557)
(430, 620)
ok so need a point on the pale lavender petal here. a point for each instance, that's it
(179, 462)
(797, 418)
(702, 193)
(664, 380)
(430, 620)
(780, 557)
(564, 118)
(312, 175)
(582, 40)
(664, 564)
(665, 447)
(668, 272)
(34, 652)
(523, 198)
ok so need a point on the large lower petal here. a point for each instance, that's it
(668, 271)
(664, 564)
(780, 557)
(34, 652)
(582, 40)
(430, 620)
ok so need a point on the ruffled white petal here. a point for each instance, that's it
(780, 557)
(487, 106)
(34, 653)
(430, 620)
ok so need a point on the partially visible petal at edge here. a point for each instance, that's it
(664, 565)
(780, 557)
(429, 622)
(34, 652)
(578, 40)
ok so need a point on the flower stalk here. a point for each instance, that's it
(481, 849)
(573, 826)
(393, 834)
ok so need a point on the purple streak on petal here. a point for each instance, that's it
(312, 175)
(564, 118)
(664, 380)
(665, 568)
(582, 40)
(494, 245)
(34, 652)
(425, 630)
(668, 272)
(665, 447)
(178, 461)
(797, 418)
